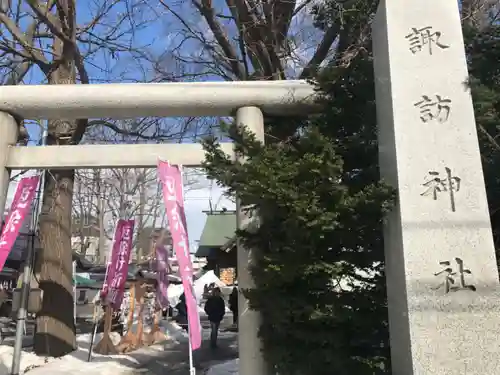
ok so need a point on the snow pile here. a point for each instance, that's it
(226, 368)
(207, 279)
(175, 291)
(28, 360)
(76, 363)
(177, 333)
(174, 331)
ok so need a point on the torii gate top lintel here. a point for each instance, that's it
(245, 100)
(129, 100)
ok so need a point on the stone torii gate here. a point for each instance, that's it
(247, 101)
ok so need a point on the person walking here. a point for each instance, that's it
(215, 307)
(233, 305)
(182, 314)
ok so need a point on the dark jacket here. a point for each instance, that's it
(233, 301)
(215, 308)
(182, 310)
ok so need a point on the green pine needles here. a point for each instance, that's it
(319, 274)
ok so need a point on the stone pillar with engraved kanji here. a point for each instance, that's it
(442, 276)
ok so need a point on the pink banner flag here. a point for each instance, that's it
(108, 276)
(162, 270)
(25, 192)
(117, 272)
(171, 179)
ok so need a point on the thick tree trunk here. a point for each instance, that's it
(55, 329)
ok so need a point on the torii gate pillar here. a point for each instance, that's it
(8, 137)
(249, 344)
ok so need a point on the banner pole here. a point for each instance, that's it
(95, 322)
(22, 312)
(192, 369)
(74, 292)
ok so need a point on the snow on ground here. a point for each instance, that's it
(29, 360)
(76, 363)
(226, 368)
(177, 333)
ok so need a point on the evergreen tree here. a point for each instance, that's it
(483, 52)
(319, 274)
(320, 283)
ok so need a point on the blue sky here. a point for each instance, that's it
(155, 31)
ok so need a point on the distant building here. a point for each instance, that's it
(218, 246)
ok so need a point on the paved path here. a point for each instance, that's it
(175, 359)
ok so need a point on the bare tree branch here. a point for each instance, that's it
(264, 44)
(321, 52)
